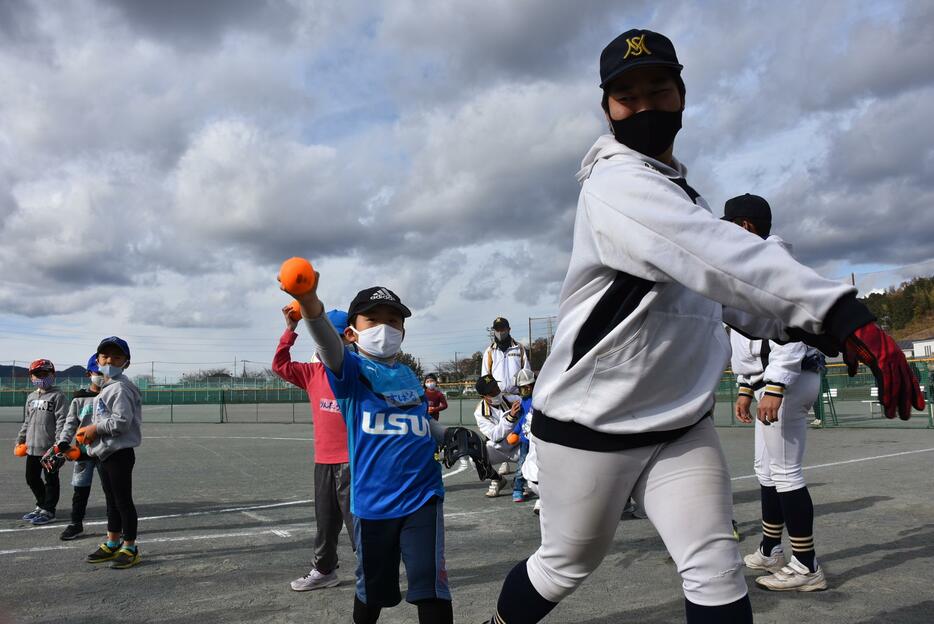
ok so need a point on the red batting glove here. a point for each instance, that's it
(898, 388)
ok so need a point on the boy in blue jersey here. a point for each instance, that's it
(396, 490)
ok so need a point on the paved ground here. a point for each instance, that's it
(226, 524)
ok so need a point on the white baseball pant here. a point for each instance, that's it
(780, 445)
(684, 488)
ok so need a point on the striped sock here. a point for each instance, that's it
(773, 522)
(799, 515)
(803, 549)
(771, 537)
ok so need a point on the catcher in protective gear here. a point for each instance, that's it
(462, 442)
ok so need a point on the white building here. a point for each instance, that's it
(923, 348)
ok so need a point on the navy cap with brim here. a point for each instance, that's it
(120, 343)
(637, 64)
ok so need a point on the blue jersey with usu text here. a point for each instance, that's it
(392, 454)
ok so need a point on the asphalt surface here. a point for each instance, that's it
(226, 523)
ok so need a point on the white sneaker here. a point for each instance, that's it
(794, 577)
(503, 469)
(537, 510)
(817, 422)
(758, 561)
(315, 580)
(464, 464)
(495, 487)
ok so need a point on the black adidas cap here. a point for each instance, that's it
(500, 323)
(747, 206)
(369, 298)
(636, 48)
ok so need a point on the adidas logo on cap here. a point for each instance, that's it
(382, 293)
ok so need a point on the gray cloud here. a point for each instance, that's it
(147, 146)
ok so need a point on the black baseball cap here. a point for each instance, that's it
(747, 206)
(636, 48)
(369, 298)
(487, 386)
(500, 323)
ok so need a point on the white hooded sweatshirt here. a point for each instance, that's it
(640, 345)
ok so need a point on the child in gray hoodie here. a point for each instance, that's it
(110, 438)
(45, 417)
(81, 414)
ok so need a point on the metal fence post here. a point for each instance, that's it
(221, 420)
(171, 406)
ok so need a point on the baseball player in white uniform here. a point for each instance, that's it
(625, 396)
(496, 417)
(784, 379)
(504, 358)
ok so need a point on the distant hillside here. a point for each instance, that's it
(907, 311)
(21, 372)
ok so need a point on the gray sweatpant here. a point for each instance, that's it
(684, 488)
(332, 509)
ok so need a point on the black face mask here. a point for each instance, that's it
(648, 132)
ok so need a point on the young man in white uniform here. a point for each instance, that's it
(784, 379)
(623, 402)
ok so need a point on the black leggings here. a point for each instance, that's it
(117, 479)
(46, 493)
(430, 611)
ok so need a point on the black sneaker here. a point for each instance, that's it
(126, 558)
(71, 532)
(102, 554)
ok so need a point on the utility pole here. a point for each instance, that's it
(456, 367)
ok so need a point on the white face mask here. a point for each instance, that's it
(500, 336)
(382, 341)
(431, 385)
(97, 380)
(497, 400)
(110, 371)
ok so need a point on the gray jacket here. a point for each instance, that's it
(80, 414)
(45, 417)
(118, 415)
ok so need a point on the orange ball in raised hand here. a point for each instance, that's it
(297, 276)
(295, 310)
(512, 438)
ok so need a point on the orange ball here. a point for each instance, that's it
(297, 276)
(512, 438)
(295, 311)
(20, 450)
(73, 454)
(80, 437)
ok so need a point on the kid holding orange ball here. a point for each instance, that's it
(45, 416)
(332, 467)
(396, 486)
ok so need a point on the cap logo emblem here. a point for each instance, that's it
(636, 47)
(382, 293)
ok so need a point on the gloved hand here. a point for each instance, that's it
(898, 388)
(20, 450)
(52, 461)
(62, 447)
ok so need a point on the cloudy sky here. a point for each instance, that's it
(158, 160)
